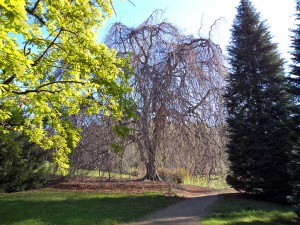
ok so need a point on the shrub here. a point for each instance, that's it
(165, 174)
(21, 164)
(180, 174)
(177, 175)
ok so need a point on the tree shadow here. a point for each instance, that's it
(237, 209)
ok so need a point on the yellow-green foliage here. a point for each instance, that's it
(51, 64)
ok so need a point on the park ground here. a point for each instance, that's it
(84, 200)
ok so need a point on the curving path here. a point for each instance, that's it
(187, 212)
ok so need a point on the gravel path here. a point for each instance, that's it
(187, 212)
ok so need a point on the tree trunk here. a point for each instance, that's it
(151, 173)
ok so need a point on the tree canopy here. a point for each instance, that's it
(51, 64)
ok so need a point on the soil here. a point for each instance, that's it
(133, 186)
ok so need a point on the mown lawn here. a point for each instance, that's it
(231, 210)
(61, 207)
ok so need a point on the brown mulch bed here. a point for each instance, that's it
(131, 186)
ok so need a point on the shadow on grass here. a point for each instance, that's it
(95, 210)
(232, 209)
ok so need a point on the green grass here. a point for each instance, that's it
(230, 210)
(48, 206)
(216, 182)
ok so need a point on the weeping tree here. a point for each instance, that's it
(177, 90)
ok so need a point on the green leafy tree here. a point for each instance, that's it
(259, 134)
(51, 64)
(294, 87)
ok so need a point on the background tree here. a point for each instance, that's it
(94, 151)
(50, 64)
(22, 164)
(259, 135)
(294, 81)
(177, 90)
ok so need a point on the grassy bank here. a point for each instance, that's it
(73, 207)
(231, 210)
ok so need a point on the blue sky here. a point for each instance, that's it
(188, 15)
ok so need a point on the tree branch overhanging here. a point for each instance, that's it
(32, 13)
(39, 88)
(46, 50)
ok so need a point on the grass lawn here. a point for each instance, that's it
(217, 182)
(48, 206)
(231, 210)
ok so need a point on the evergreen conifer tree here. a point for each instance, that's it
(295, 78)
(259, 135)
(294, 87)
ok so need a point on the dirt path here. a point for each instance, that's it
(187, 212)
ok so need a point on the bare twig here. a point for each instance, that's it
(47, 49)
(39, 88)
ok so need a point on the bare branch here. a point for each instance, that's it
(47, 49)
(36, 91)
(32, 12)
(35, 5)
(131, 2)
(212, 26)
(39, 88)
(10, 79)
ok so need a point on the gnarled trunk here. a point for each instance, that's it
(151, 173)
(151, 170)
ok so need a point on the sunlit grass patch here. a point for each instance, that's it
(217, 182)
